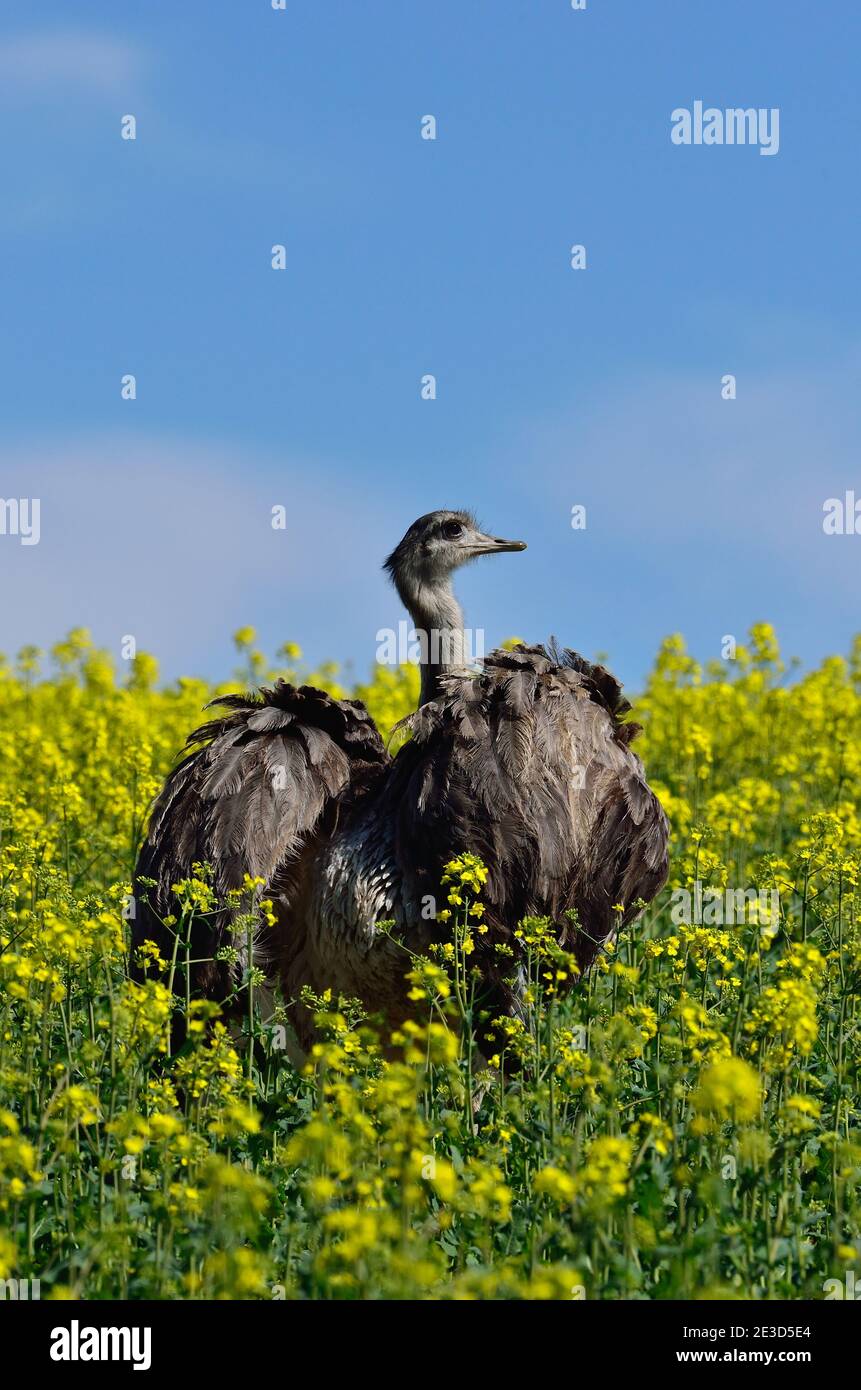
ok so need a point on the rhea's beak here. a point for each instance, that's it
(494, 545)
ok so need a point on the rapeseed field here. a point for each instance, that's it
(681, 1124)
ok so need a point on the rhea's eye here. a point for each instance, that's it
(451, 530)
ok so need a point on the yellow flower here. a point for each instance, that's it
(552, 1182)
(728, 1090)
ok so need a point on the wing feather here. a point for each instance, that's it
(528, 764)
(254, 790)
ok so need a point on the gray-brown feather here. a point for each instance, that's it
(250, 799)
(528, 765)
(525, 763)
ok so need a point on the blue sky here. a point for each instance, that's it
(404, 257)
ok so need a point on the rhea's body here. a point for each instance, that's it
(524, 762)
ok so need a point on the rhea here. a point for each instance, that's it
(523, 760)
(421, 567)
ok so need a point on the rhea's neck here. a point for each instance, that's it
(438, 621)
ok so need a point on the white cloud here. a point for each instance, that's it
(40, 61)
(172, 541)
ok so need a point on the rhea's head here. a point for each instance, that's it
(437, 544)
